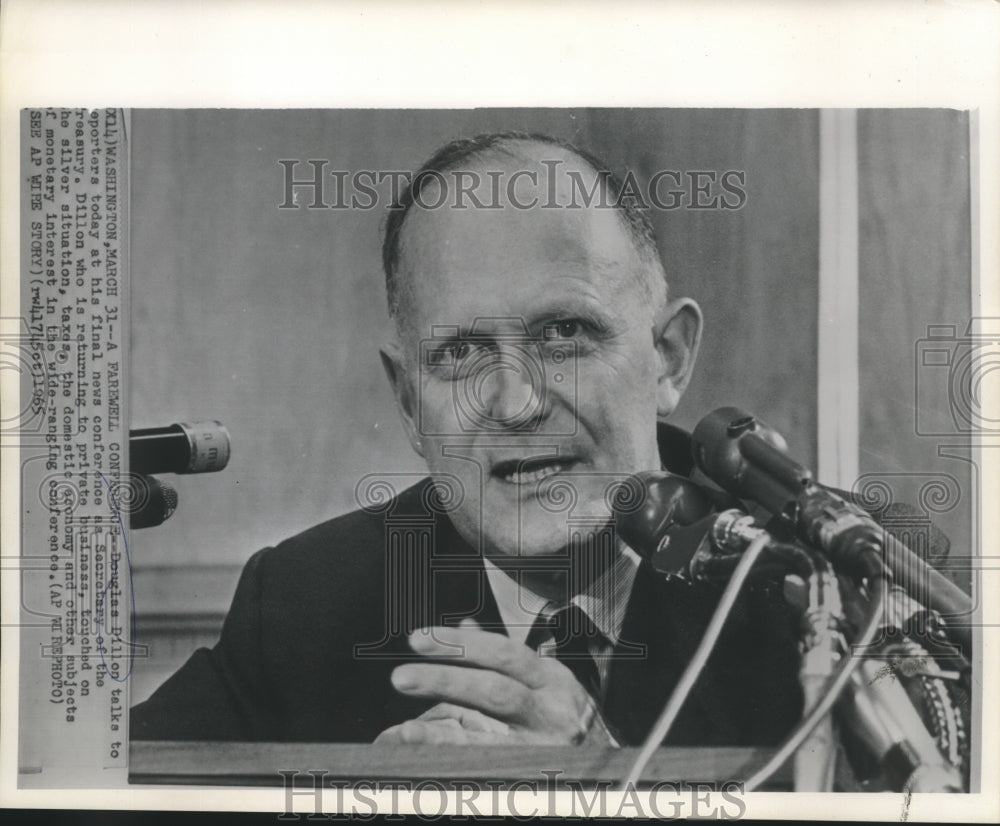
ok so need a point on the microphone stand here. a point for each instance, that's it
(822, 645)
(812, 587)
(883, 717)
(838, 674)
(873, 707)
(749, 459)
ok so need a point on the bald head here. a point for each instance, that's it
(516, 171)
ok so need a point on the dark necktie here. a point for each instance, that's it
(572, 633)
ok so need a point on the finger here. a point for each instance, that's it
(393, 734)
(469, 718)
(488, 691)
(434, 732)
(483, 649)
(412, 731)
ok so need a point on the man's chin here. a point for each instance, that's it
(537, 541)
(537, 528)
(529, 546)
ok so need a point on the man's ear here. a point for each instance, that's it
(402, 388)
(677, 336)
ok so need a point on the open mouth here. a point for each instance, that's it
(526, 471)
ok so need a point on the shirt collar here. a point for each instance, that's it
(604, 601)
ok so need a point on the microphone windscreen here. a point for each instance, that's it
(155, 502)
(667, 500)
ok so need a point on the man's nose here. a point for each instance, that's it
(510, 390)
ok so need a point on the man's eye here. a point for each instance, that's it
(568, 328)
(451, 354)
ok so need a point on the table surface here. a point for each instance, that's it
(260, 764)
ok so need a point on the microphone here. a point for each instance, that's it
(668, 500)
(154, 503)
(200, 447)
(748, 459)
(679, 529)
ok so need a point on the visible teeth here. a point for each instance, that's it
(525, 477)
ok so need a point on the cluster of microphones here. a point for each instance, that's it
(682, 527)
(199, 447)
(913, 737)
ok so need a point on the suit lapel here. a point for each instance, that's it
(460, 587)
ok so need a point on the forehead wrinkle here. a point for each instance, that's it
(573, 243)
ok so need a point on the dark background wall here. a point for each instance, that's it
(270, 320)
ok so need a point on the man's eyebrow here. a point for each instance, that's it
(553, 309)
(570, 307)
(449, 333)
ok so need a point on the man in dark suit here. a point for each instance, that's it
(535, 349)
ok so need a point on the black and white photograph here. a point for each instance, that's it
(521, 436)
(625, 460)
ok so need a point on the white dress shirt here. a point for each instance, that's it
(605, 602)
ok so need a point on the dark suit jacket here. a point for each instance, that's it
(318, 623)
